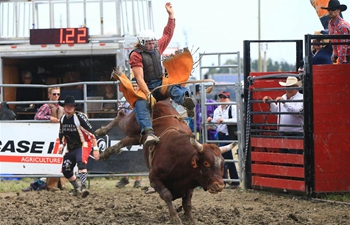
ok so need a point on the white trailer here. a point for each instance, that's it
(45, 37)
(57, 40)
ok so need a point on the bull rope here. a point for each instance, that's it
(167, 130)
(180, 118)
(152, 148)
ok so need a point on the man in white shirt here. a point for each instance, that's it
(286, 120)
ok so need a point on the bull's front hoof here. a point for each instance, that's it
(150, 190)
(176, 220)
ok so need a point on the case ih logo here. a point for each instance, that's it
(34, 147)
(10, 149)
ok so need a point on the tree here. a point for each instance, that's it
(271, 66)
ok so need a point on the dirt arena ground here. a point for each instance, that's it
(129, 206)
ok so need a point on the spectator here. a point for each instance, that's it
(321, 53)
(76, 133)
(286, 120)
(145, 62)
(126, 107)
(221, 116)
(338, 26)
(52, 112)
(27, 94)
(74, 77)
(110, 94)
(211, 130)
(36, 185)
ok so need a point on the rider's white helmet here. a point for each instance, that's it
(146, 35)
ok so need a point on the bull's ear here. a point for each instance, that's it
(194, 161)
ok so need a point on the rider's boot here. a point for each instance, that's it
(189, 105)
(151, 139)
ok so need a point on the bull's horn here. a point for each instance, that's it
(196, 144)
(227, 148)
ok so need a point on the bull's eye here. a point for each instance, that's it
(206, 164)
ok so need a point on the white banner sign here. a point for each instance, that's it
(29, 148)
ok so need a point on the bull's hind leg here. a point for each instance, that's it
(116, 149)
(102, 131)
(187, 205)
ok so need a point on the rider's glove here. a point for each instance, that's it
(151, 100)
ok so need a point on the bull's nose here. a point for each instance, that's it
(216, 187)
(220, 187)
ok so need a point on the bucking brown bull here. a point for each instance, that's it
(178, 163)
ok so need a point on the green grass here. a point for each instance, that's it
(14, 185)
(344, 197)
(95, 182)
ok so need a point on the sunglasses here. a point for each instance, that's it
(58, 94)
(331, 10)
(224, 97)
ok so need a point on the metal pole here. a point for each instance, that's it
(259, 38)
(265, 62)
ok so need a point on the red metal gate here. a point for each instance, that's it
(316, 161)
(276, 160)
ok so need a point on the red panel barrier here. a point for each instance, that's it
(331, 90)
(277, 143)
(278, 183)
(276, 170)
(331, 74)
(296, 159)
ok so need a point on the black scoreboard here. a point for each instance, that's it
(59, 36)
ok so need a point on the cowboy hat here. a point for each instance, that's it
(69, 100)
(335, 4)
(290, 82)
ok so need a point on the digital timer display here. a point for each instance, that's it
(59, 36)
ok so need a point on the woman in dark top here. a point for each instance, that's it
(322, 53)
